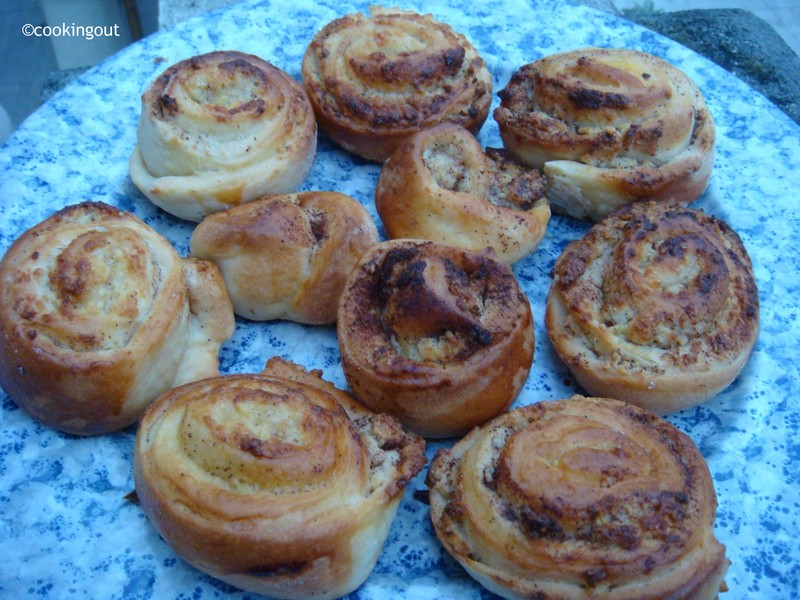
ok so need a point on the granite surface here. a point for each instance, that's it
(66, 527)
(172, 12)
(739, 42)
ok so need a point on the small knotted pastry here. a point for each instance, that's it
(608, 127)
(218, 130)
(577, 499)
(276, 483)
(441, 338)
(374, 80)
(287, 256)
(440, 185)
(657, 305)
(99, 316)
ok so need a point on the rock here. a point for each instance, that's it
(739, 42)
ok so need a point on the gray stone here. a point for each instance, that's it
(739, 42)
(58, 80)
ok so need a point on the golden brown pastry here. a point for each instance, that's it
(657, 305)
(608, 127)
(577, 499)
(277, 483)
(287, 256)
(376, 79)
(440, 185)
(99, 315)
(440, 337)
(220, 129)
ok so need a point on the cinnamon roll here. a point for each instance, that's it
(441, 338)
(608, 127)
(580, 498)
(221, 129)
(440, 185)
(99, 315)
(277, 483)
(287, 256)
(657, 305)
(374, 80)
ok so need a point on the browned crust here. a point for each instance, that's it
(219, 129)
(227, 64)
(368, 103)
(657, 305)
(440, 185)
(629, 125)
(94, 319)
(579, 498)
(287, 256)
(277, 483)
(439, 337)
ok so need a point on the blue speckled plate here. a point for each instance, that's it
(65, 526)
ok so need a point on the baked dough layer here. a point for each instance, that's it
(99, 315)
(277, 483)
(657, 305)
(576, 499)
(440, 185)
(218, 130)
(608, 127)
(376, 79)
(440, 337)
(287, 256)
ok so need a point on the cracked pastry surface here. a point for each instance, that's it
(440, 337)
(608, 127)
(287, 256)
(219, 129)
(440, 185)
(277, 483)
(576, 499)
(99, 315)
(376, 79)
(657, 305)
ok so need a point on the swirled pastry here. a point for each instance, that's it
(608, 127)
(440, 185)
(220, 129)
(287, 256)
(374, 80)
(657, 305)
(277, 483)
(99, 315)
(576, 499)
(440, 337)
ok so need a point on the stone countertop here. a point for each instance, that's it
(172, 12)
(739, 42)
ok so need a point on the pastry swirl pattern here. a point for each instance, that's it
(99, 315)
(375, 79)
(440, 337)
(440, 185)
(656, 305)
(220, 129)
(608, 127)
(579, 498)
(278, 483)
